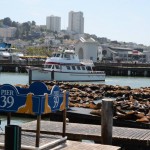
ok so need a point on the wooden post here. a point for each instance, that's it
(107, 121)
(64, 114)
(52, 75)
(38, 131)
(30, 76)
(64, 122)
(8, 118)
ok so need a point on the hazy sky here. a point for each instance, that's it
(121, 20)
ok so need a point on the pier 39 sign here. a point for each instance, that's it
(36, 99)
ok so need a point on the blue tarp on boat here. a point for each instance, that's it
(5, 45)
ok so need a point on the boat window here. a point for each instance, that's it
(52, 66)
(68, 67)
(49, 66)
(88, 68)
(57, 66)
(83, 67)
(67, 56)
(73, 68)
(78, 67)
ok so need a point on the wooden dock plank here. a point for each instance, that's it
(76, 131)
(74, 145)
(146, 136)
(121, 132)
(28, 140)
(129, 134)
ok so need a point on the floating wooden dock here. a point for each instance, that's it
(73, 145)
(122, 136)
(49, 138)
(128, 138)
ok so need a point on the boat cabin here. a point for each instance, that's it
(66, 61)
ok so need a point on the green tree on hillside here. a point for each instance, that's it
(26, 28)
(14, 24)
(33, 23)
(7, 21)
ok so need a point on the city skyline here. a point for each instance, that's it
(121, 20)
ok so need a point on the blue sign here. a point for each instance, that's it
(36, 99)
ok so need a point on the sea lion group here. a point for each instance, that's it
(129, 104)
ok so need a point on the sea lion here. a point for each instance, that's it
(143, 119)
(96, 112)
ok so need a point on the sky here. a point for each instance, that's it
(121, 20)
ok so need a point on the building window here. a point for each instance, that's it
(91, 58)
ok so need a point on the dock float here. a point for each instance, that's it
(69, 145)
(122, 136)
(49, 141)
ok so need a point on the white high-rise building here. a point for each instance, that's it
(76, 22)
(53, 23)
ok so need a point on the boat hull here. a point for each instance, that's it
(43, 75)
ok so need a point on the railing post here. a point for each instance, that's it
(38, 131)
(8, 118)
(64, 114)
(107, 121)
(30, 76)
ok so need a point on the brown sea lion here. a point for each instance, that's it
(143, 119)
(96, 112)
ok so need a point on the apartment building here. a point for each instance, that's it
(7, 32)
(76, 22)
(53, 23)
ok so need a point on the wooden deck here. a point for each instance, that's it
(122, 136)
(74, 145)
(46, 140)
(28, 144)
(51, 131)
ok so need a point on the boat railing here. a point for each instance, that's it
(86, 61)
(98, 72)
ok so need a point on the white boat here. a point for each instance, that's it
(66, 66)
(6, 53)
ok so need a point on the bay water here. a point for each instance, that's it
(133, 82)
